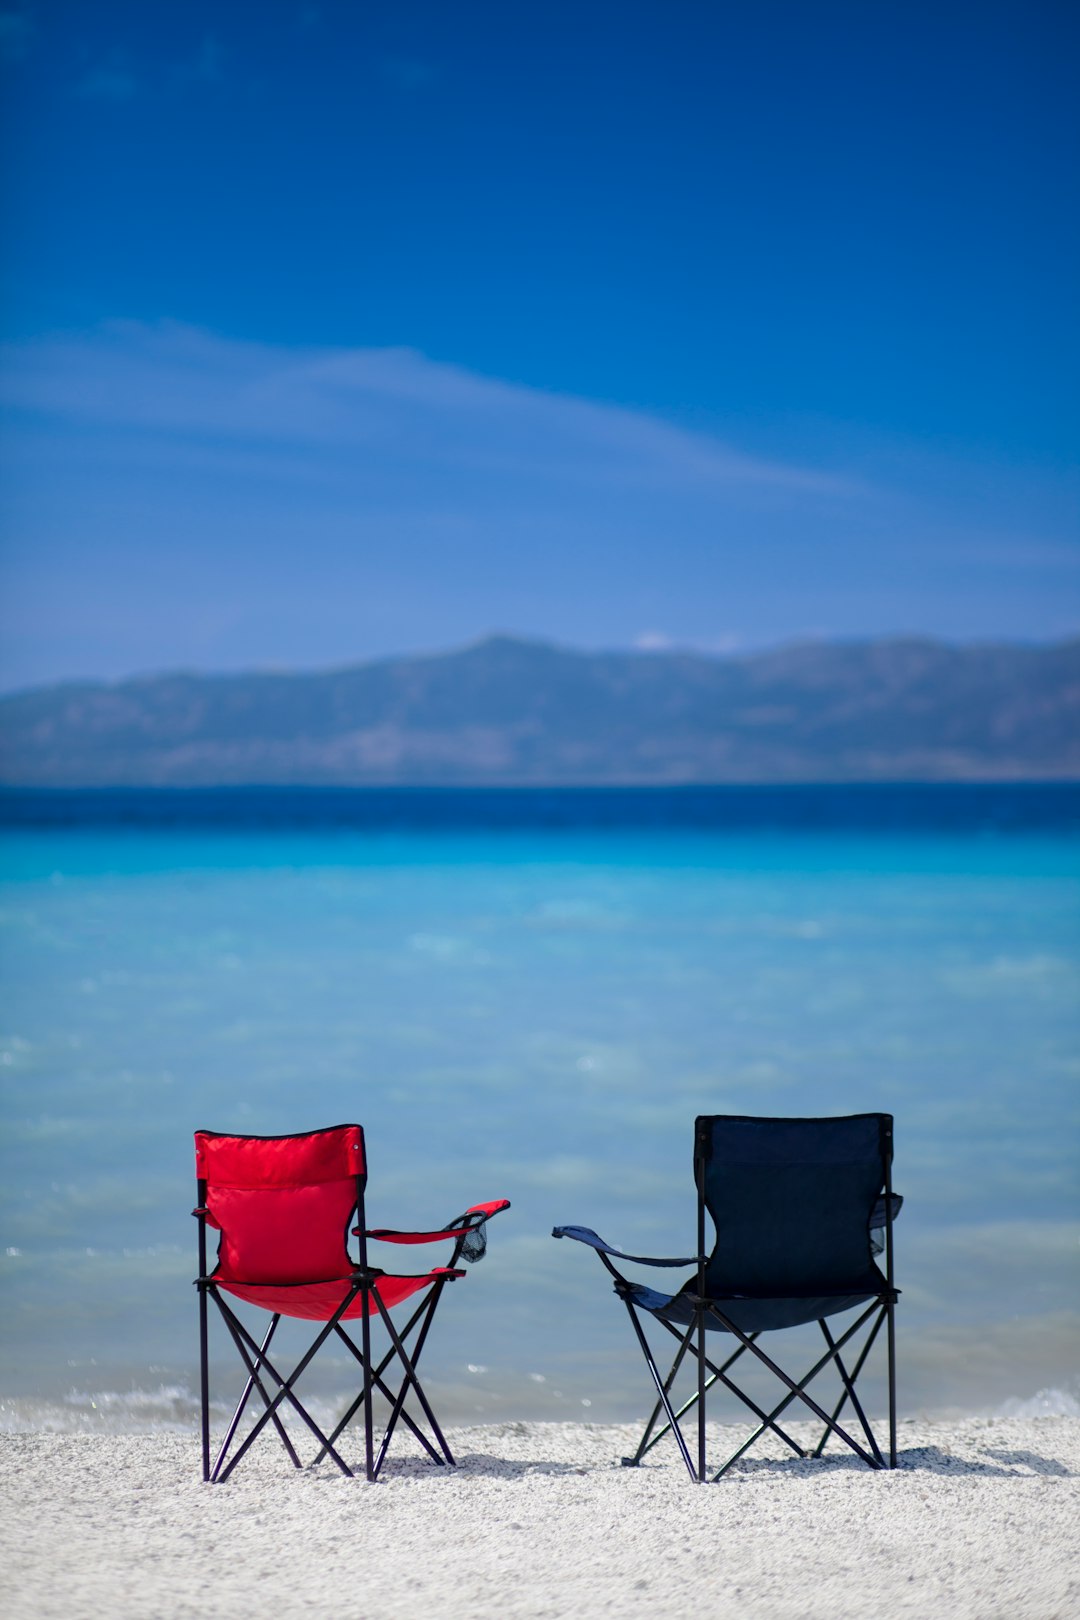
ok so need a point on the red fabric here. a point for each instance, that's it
(317, 1301)
(283, 1235)
(282, 1204)
(385, 1236)
(489, 1209)
(280, 1161)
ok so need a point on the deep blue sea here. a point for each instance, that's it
(531, 995)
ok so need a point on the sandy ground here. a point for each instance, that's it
(981, 1519)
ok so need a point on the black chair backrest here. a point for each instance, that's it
(791, 1201)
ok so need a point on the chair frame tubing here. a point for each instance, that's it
(426, 1306)
(255, 1357)
(892, 1293)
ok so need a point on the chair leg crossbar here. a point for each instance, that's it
(871, 1453)
(423, 1315)
(261, 1371)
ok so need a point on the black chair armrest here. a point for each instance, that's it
(585, 1234)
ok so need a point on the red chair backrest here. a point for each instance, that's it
(283, 1204)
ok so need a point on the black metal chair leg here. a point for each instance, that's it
(660, 1390)
(767, 1418)
(798, 1391)
(381, 1385)
(856, 1370)
(719, 1374)
(365, 1340)
(398, 1408)
(891, 1332)
(890, 1302)
(700, 1317)
(646, 1444)
(204, 1382)
(285, 1390)
(253, 1382)
(410, 1377)
(849, 1387)
(343, 1422)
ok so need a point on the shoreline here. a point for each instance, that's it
(173, 1409)
(539, 1520)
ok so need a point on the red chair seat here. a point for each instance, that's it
(318, 1301)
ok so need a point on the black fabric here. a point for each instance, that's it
(877, 1222)
(748, 1315)
(792, 1201)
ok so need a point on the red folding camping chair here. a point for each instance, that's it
(283, 1205)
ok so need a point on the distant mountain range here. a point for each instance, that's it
(507, 711)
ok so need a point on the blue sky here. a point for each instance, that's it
(334, 330)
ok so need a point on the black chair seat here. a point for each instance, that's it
(748, 1315)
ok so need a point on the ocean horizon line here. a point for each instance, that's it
(975, 806)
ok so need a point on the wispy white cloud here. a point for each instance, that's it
(176, 380)
(178, 497)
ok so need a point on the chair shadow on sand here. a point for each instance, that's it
(992, 1462)
(1029, 1461)
(487, 1465)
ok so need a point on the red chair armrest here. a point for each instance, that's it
(385, 1234)
(457, 1228)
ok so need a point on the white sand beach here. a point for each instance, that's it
(539, 1520)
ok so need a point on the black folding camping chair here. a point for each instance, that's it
(801, 1208)
(282, 1206)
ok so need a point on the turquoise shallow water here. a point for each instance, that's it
(535, 1015)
